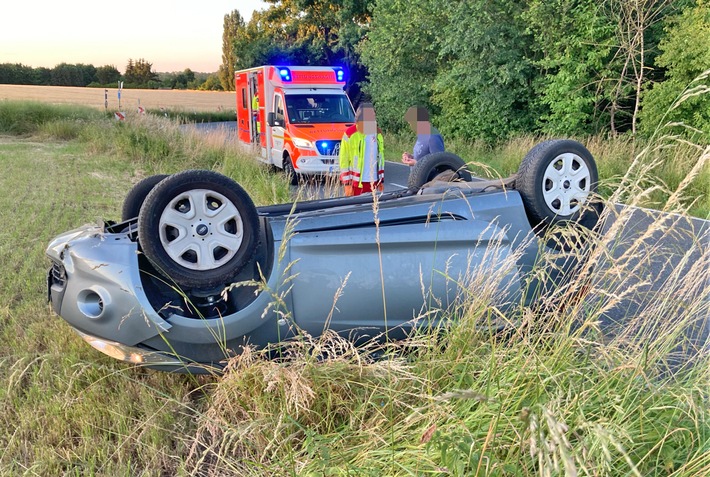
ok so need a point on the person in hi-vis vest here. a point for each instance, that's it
(362, 154)
(255, 115)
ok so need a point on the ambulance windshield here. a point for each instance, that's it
(319, 108)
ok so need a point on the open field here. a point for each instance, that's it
(185, 100)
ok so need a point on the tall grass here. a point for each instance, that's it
(563, 392)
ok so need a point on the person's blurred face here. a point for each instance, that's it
(367, 123)
(418, 118)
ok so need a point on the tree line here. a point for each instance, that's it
(490, 69)
(138, 74)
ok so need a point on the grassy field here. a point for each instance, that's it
(180, 100)
(554, 396)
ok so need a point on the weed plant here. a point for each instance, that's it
(562, 391)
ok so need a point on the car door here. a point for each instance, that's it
(278, 130)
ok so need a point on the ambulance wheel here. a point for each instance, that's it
(136, 196)
(289, 171)
(432, 165)
(198, 228)
(557, 180)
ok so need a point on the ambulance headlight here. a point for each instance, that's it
(302, 143)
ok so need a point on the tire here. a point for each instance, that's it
(431, 165)
(136, 196)
(289, 171)
(557, 181)
(198, 228)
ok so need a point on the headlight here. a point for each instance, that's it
(302, 143)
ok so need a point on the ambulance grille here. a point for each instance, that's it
(328, 148)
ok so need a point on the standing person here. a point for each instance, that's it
(429, 139)
(255, 115)
(362, 154)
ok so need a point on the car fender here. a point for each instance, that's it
(104, 295)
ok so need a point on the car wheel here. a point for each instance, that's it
(557, 180)
(198, 228)
(136, 196)
(431, 165)
(289, 171)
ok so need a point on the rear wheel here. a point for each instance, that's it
(199, 228)
(557, 180)
(136, 196)
(437, 164)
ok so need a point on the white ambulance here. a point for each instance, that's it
(294, 116)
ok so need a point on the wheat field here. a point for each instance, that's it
(131, 99)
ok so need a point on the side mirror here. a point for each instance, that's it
(272, 121)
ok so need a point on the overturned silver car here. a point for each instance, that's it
(194, 271)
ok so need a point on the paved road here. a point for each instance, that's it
(656, 249)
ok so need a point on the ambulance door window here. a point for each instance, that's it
(279, 109)
(278, 132)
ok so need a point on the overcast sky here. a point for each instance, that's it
(172, 35)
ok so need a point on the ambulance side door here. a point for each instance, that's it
(278, 130)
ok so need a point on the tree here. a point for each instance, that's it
(306, 32)
(212, 83)
(684, 93)
(233, 26)
(466, 61)
(16, 73)
(634, 19)
(594, 59)
(483, 85)
(107, 74)
(139, 73)
(400, 55)
(65, 74)
(573, 47)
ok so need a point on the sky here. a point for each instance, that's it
(172, 35)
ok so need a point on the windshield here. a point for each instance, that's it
(319, 108)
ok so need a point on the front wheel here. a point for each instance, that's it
(557, 180)
(199, 228)
(136, 196)
(289, 171)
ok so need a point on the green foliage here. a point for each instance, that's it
(72, 75)
(400, 55)
(211, 83)
(20, 74)
(26, 117)
(684, 94)
(482, 88)
(185, 79)
(107, 74)
(139, 72)
(491, 69)
(233, 26)
(573, 45)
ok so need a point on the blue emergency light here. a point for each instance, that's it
(285, 74)
(339, 74)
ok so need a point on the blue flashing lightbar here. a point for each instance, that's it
(285, 74)
(339, 74)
